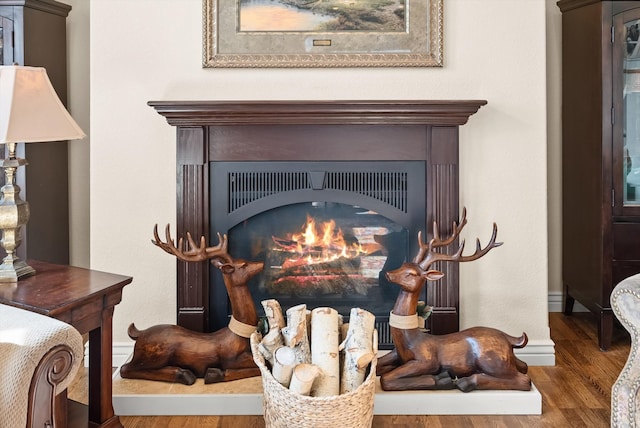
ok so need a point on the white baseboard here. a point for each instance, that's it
(122, 351)
(556, 303)
(538, 353)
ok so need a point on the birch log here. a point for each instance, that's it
(325, 340)
(269, 343)
(284, 361)
(344, 329)
(303, 377)
(358, 348)
(273, 312)
(295, 333)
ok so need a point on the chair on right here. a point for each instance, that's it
(625, 302)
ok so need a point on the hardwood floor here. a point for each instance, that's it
(576, 392)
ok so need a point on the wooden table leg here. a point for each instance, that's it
(101, 412)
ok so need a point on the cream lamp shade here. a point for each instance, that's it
(30, 110)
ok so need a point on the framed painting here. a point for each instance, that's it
(322, 33)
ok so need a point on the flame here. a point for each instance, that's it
(318, 243)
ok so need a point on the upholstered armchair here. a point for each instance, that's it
(625, 301)
(39, 357)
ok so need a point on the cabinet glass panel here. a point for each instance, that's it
(631, 117)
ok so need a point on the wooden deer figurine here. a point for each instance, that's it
(476, 358)
(172, 353)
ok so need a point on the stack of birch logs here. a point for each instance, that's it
(329, 358)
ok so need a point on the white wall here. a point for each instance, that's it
(494, 49)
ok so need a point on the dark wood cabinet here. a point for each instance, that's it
(600, 152)
(34, 34)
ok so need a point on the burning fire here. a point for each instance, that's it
(321, 260)
(319, 243)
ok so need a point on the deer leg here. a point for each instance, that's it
(163, 374)
(387, 362)
(215, 375)
(233, 374)
(443, 375)
(242, 367)
(415, 375)
(521, 366)
(518, 382)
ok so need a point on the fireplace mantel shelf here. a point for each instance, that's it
(404, 112)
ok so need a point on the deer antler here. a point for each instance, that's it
(436, 241)
(194, 253)
(427, 256)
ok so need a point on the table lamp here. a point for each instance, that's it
(30, 112)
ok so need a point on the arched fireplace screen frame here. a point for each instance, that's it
(393, 189)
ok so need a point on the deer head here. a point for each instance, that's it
(238, 271)
(411, 276)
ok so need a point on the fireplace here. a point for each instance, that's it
(266, 173)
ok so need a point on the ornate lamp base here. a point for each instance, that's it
(12, 271)
(14, 213)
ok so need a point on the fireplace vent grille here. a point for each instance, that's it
(385, 340)
(248, 187)
(387, 187)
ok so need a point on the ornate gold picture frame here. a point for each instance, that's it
(380, 33)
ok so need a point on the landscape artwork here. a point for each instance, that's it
(322, 33)
(322, 15)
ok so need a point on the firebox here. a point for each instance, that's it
(326, 231)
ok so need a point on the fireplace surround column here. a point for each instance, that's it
(238, 131)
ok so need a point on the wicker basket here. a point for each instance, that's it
(285, 409)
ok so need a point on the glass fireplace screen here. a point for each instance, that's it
(323, 254)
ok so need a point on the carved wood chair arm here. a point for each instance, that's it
(39, 357)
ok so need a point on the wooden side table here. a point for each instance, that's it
(85, 299)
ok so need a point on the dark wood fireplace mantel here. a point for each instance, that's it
(314, 131)
(205, 113)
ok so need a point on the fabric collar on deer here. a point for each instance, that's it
(240, 328)
(404, 322)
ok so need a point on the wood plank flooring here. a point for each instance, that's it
(576, 392)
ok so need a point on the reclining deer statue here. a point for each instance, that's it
(476, 358)
(172, 353)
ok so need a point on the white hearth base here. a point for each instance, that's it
(244, 397)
